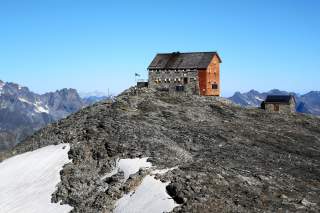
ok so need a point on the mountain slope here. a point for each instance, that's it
(22, 112)
(251, 98)
(310, 103)
(226, 158)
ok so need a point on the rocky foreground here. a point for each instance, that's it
(228, 159)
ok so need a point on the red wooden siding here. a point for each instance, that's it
(210, 76)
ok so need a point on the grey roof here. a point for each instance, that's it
(177, 60)
(279, 99)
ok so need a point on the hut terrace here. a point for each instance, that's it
(194, 73)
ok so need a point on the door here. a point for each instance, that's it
(185, 80)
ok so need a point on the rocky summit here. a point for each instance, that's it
(225, 158)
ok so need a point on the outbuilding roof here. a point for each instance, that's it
(279, 99)
(177, 60)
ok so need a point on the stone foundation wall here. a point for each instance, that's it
(283, 108)
(169, 79)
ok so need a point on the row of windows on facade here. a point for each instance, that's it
(180, 88)
(169, 80)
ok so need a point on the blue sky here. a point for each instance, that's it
(95, 45)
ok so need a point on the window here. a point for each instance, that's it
(215, 86)
(185, 80)
(180, 88)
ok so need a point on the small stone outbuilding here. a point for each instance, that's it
(195, 73)
(279, 103)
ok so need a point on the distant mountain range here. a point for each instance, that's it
(93, 94)
(308, 103)
(22, 112)
(90, 98)
(93, 99)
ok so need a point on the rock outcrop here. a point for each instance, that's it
(227, 158)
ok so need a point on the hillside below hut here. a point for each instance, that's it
(215, 156)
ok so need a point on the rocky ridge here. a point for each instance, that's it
(227, 158)
(22, 111)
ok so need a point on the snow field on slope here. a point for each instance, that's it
(27, 181)
(149, 196)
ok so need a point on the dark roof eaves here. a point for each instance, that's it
(280, 99)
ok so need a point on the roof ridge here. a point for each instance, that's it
(188, 60)
(177, 52)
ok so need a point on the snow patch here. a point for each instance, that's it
(27, 181)
(41, 109)
(24, 101)
(38, 108)
(258, 98)
(150, 196)
(129, 167)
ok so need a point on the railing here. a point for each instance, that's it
(141, 80)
